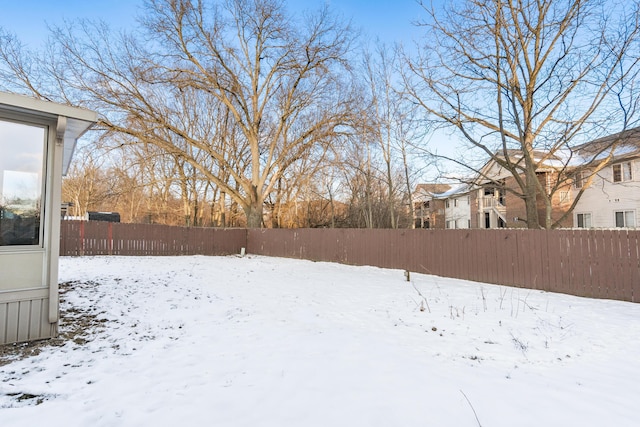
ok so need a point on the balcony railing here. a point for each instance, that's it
(487, 202)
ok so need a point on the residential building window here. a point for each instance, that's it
(625, 219)
(487, 220)
(579, 179)
(583, 220)
(21, 183)
(565, 197)
(622, 172)
(455, 203)
(502, 197)
(446, 203)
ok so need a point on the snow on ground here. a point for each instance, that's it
(257, 341)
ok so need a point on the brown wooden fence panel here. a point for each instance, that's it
(590, 263)
(593, 263)
(107, 238)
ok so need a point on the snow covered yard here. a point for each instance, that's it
(256, 341)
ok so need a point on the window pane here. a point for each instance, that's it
(627, 171)
(629, 219)
(21, 168)
(619, 219)
(617, 173)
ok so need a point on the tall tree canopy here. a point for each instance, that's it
(524, 80)
(237, 88)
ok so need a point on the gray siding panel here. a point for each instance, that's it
(12, 321)
(35, 319)
(25, 319)
(3, 323)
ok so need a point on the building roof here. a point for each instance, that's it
(432, 188)
(621, 145)
(442, 191)
(455, 190)
(72, 121)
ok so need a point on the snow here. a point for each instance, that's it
(456, 189)
(258, 341)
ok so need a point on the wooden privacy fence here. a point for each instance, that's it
(79, 238)
(590, 263)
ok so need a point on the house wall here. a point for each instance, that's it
(604, 197)
(458, 214)
(434, 214)
(515, 211)
(25, 316)
(473, 209)
(28, 274)
(560, 202)
(30, 217)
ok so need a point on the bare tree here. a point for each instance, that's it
(87, 185)
(392, 126)
(278, 85)
(526, 81)
(384, 104)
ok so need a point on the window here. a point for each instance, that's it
(446, 203)
(622, 172)
(579, 179)
(625, 219)
(583, 220)
(565, 197)
(426, 204)
(502, 197)
(21, 178)
(455, 203)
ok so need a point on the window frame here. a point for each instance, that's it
(583, 214)
(625, 216)
(579, 179)
(44, 193)
(625, 174)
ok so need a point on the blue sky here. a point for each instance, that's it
(389, 20)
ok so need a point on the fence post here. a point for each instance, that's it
(81, 238)
(110, 238)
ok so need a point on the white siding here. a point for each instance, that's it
(459, 211)
(604, 197)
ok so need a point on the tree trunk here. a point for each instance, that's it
(531, 199)
(392, 216)
(254, 215)
(254, 209)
